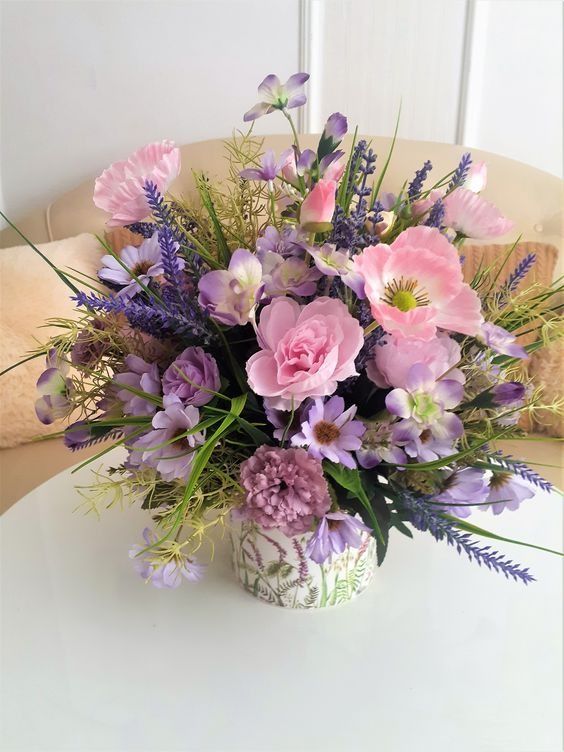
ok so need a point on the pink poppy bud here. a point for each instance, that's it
(318, 206)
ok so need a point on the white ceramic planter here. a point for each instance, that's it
(274, 568)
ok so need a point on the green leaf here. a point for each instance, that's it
(378, 184)
(206, 199)
(350, 479)
(469, 528)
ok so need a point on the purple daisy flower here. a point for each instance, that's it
(467, 486)
(506, 491)
(167, 575)
(169, 447)
(193, 377)
(330, 432)
(501, 341)
(334, 533)
(425, 445)
(286, 242)
(55, 389)
(378, 445)
(277, 96)
(143, 377)
(144, 262)
(279, 419)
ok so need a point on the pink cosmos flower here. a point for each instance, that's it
(305, 352)
(394, 356)
(415, 286)
(318, 206)
(120, 190)
(473, 216)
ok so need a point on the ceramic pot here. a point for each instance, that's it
(274, 568)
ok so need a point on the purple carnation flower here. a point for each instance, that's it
(506, 491)
(55, 389)
(277, 96)
(467, 486)
(378, 445)
(167, 575)
(288, 275)
(144, 262)
(285, 489)
(334, 533)
(169, 447)
(330, 432)
(143, 377)
(192, 373)
(501, 341)
(286, 242)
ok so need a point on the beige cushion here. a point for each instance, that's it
(30, 293)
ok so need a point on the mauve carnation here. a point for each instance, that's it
(193, 376)
(285, 489)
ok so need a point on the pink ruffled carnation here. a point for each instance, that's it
(285, 489)
(415, 286)
(120, 190)
(305, 352)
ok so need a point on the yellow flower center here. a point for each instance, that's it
(405, 294)
(404, 300)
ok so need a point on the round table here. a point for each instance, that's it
(438, 654)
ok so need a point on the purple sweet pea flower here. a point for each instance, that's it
(501, 341)
(289, 241)
(144, 262)
(330, 432)
(269, 168)
(55, 389)
(277, 96)
(334, 533)
(463, 487)
(335, 128)
(291, 275)
(166, 448)
(506, 491)
(143, 377)
(508, 394)
(230, 296)
(378, 445)
(161, 575)
(190, 375)
(335, 263)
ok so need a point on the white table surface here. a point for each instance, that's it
(438, 654)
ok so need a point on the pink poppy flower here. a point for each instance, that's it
(477, 177)
(473, 216)
(305, 352)
(415, 286)
(120, 190)
(318, 206)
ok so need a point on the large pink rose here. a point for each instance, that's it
(120, 190)
(306, 350)
(415, 286)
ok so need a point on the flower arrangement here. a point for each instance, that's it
(301, 349)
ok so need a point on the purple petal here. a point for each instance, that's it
(295, 81)
(296, 101)
(269, 88)
(398, 403)
(260, 109)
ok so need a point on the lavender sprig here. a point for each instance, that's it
(520, 271)
(414, 188)
(427, 519)
(523, 471)
(461, 172)
(436, 215)
(145, 229)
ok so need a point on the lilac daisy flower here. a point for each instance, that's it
(277, 96)
(335, 263)
(286, 242)
(167, 575)
(424, 445)
(467, 486)
(378, 445)
(143, 377)
(169, 447)
(506, 491)
(291, 275)
(334, 533)
(144, 262)
(330, 432)
(501, 341)
(55, 389)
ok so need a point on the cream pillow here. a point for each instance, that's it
(30, 293)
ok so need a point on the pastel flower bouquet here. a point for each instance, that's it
(296, 356)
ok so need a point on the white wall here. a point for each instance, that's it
(84, 83)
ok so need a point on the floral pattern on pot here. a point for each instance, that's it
(274, 568)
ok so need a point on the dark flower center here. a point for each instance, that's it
(141, 268)
(333, 524)
(325, 432)
(498, 480)
(426, 436)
